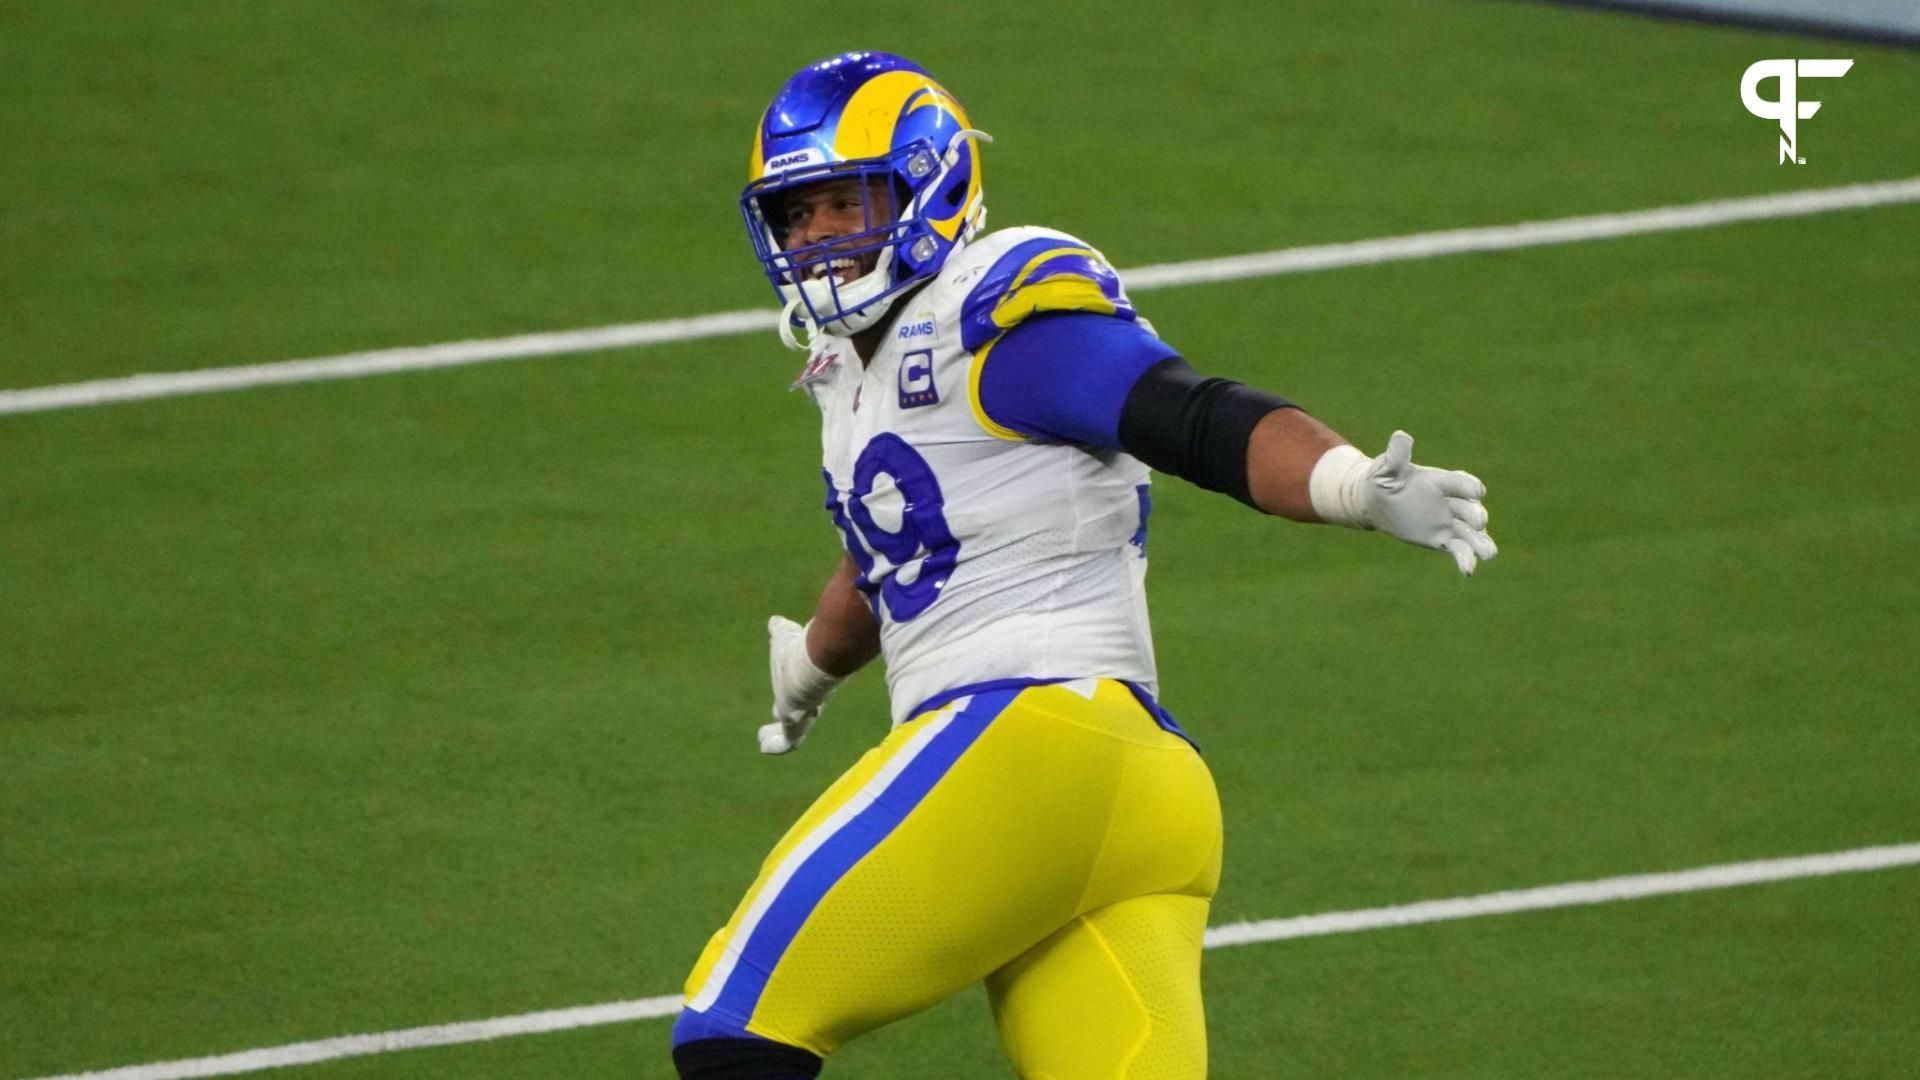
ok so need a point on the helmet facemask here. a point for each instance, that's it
(903, 195)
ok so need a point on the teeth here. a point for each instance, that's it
(821, 270)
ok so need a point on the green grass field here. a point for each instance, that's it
(364, 705)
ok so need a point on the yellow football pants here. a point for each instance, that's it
(1054, 841)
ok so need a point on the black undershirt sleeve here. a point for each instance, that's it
(1193, 426)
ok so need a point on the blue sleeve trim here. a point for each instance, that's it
(1065, 376)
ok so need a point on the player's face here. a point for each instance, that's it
(832, 209)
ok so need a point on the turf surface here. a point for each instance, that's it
(357, 706)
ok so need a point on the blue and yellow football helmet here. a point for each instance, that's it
(863, 115)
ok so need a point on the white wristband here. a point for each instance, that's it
(1337, 487)
(811, 684)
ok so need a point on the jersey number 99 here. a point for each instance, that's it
(923, 534)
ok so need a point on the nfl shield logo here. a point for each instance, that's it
(816, 367)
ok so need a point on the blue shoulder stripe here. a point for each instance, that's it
(1045, 274)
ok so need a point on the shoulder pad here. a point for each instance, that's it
(1014, 273)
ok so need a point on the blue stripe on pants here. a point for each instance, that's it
(839, 854)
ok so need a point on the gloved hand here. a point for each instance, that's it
(1434, 508)
(799, 687)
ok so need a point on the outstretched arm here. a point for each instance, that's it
(1108, 383)
(1301, 469)
(1285, 446)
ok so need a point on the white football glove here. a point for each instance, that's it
(799, 687)
(1434, 508)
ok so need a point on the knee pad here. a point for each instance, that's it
(743, 1059)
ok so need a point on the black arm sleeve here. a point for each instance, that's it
(1194, 427)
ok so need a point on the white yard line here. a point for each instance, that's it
(1573, 894)
(1264, 264)
(307, 1053)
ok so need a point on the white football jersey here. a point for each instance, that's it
(985, 555)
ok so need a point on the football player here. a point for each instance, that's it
(990, 407)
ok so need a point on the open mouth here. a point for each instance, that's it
(844, 269)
